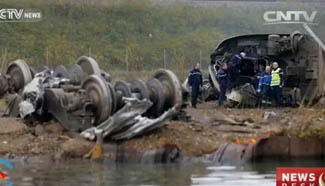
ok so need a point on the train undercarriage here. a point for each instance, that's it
(84, 96)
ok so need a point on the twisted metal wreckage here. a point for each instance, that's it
(83, 99)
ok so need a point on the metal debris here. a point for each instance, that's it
(33, 93)
(129, 122)
(144, 125)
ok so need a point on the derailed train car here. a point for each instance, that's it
(299, 55)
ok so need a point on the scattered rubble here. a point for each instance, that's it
(271, 116)
(76, 148)
(39, 130)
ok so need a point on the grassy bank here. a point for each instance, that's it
(128, 35)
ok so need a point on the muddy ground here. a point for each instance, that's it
(203, 134)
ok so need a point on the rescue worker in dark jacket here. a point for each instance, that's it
(264, 88)
(234, 69)
(276, 83)
(222, 78)
(195, 83)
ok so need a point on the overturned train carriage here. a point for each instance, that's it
(82, 96)
(299, 55)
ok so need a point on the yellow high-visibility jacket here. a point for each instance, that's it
(276, 77)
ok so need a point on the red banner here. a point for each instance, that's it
(300, 176)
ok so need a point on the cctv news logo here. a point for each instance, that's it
(300, 177)
(20, 15)
(289, 17)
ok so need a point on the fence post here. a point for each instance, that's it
(47, 56)
(165, 65)
(201, 59)
(3, 62)
(127, 59)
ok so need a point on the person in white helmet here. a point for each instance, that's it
(276, 83)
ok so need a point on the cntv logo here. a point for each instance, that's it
(300, 177)
(289, 17)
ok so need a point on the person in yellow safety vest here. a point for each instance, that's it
(276, 83)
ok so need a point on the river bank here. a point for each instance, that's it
(222, 136)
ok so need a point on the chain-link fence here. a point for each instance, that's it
(127, 69)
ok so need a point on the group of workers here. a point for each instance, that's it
(270, 85)
(270, 82)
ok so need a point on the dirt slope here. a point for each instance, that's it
(204, 133)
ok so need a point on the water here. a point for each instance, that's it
(82, 173)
